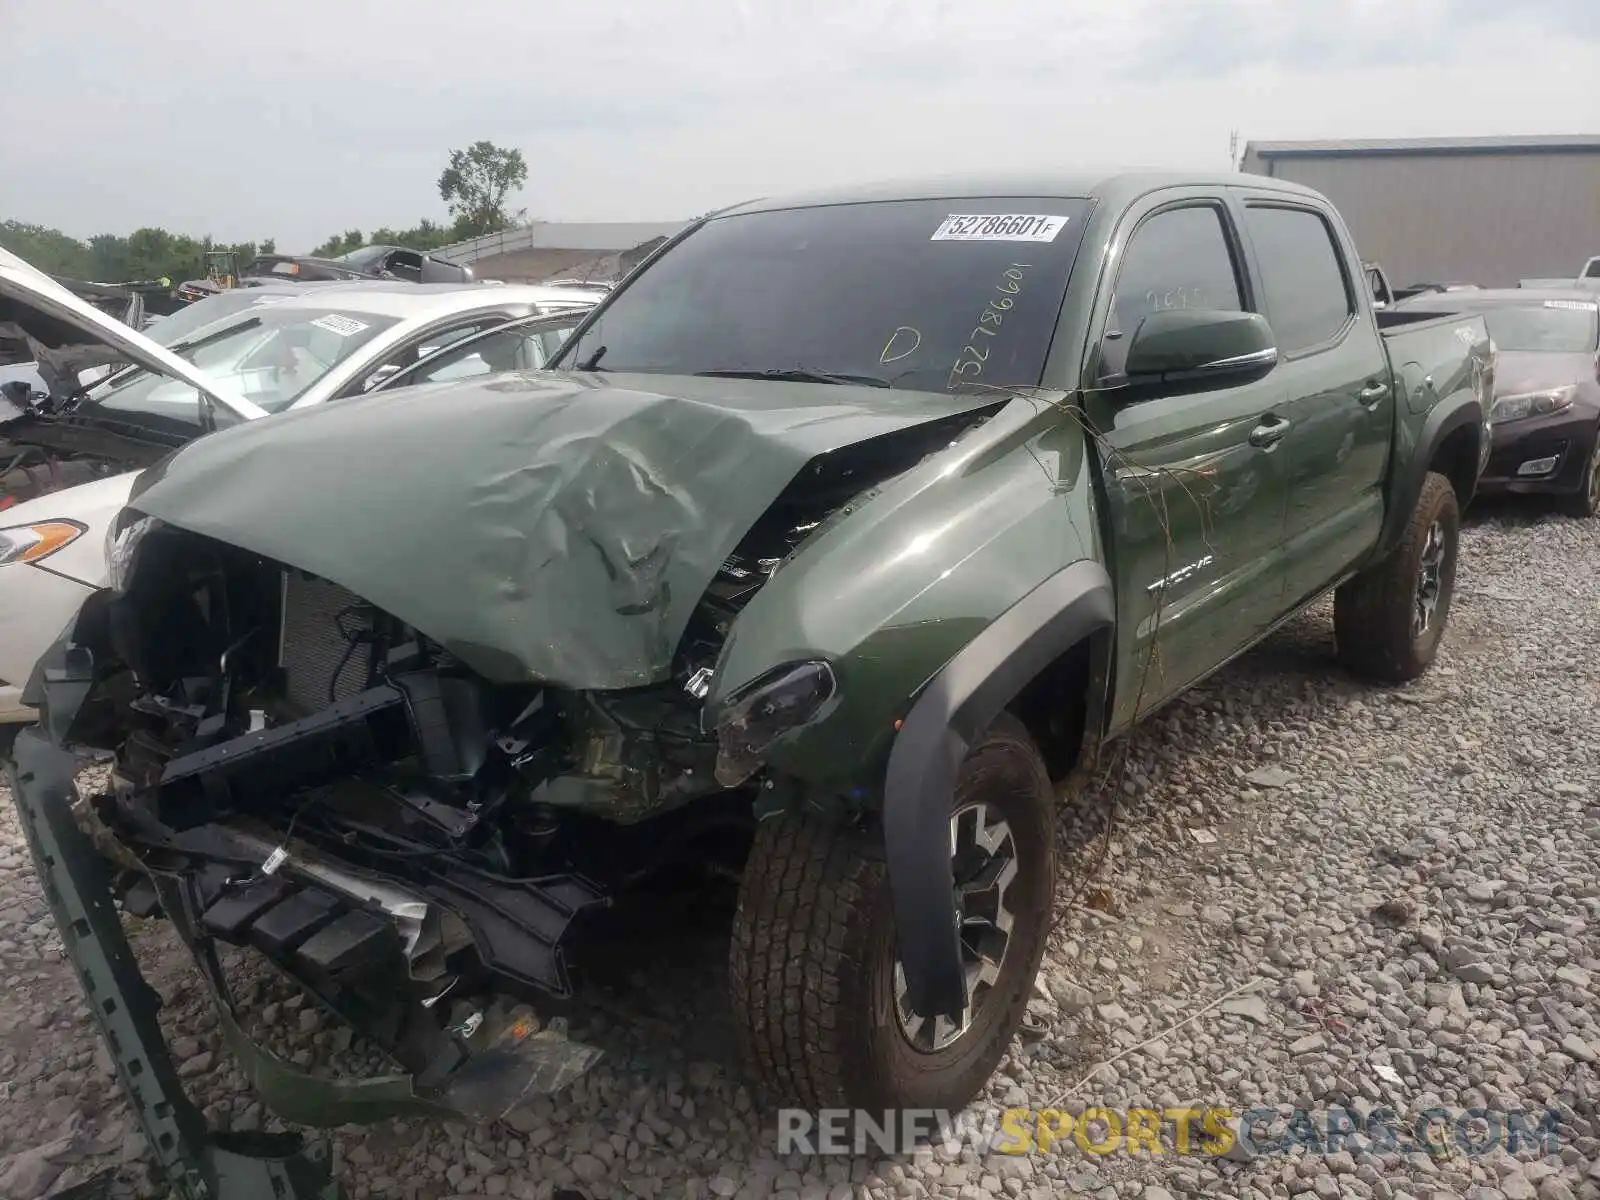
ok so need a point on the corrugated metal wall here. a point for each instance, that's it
(1489, 219)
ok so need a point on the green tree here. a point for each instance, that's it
(50, 250)
(424, 236)
(476, 184)
(341, 243)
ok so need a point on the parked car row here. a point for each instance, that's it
(396, 264)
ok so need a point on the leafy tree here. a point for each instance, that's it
(48, 249)
(476, 184)
(341, 243)
(424, 236)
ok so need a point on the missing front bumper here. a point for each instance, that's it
(199, 1163)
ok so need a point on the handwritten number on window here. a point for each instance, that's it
(971, 360)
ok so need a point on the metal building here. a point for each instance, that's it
(1488, 211)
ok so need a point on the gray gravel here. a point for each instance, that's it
(1395, 890)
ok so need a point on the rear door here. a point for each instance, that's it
(1338, 391)
(1196, 507)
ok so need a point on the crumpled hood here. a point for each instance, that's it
(542, 526)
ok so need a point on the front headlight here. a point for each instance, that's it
(121, 542)
(1532, 404)
(781, 700)
(31, 543)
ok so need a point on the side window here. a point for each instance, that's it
(405, 264)
(410, 353)
(1178, 258)
(1303, 284)
(505, 351)
(437, 341)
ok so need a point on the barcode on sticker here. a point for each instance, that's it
(999, 227)
(274, 860)
(343, 326)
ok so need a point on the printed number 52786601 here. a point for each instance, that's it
(999, 227)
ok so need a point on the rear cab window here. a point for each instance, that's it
(1306, 292)
(945, 294)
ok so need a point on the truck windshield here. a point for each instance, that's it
(1558, 327)
(920, 294)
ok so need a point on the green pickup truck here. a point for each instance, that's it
(841, 533)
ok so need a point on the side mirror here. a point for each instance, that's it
(1199, 348)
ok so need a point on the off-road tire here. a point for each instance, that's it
(1372, 612)
(1585, 502)
(812, 961)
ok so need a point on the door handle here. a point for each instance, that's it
(1269, 432)
(1372, 393)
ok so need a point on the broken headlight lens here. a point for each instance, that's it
(781, 700)
(30, 543)
(122, 540)
(1532, 404)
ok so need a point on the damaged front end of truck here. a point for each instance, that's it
(410, 749)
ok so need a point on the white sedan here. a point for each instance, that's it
(288, 352)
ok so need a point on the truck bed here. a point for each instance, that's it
(1433, 351)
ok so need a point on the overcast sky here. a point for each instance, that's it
(295, 119)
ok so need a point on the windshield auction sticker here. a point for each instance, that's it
(343, 326)
(999, 227)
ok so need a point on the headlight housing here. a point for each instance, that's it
(1543, 403)
(122, 539)
(39, 540)
(779, 701)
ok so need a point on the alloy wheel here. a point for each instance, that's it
(983, 858)
(1430, 580)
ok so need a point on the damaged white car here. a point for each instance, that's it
(68, 456)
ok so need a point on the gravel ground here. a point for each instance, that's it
(1394, 889)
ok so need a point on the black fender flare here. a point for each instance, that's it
(949, 715)
(1447, 417)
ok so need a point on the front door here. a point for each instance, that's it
(1339, 398)
(1196, 484)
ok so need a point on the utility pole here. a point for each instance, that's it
(1233, 150)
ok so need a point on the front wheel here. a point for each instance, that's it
(1585, 502)
(1389, 620)
(816, 984)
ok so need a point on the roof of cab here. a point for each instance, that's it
(1110, 186)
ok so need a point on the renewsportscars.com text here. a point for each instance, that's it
(1210, 1132)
